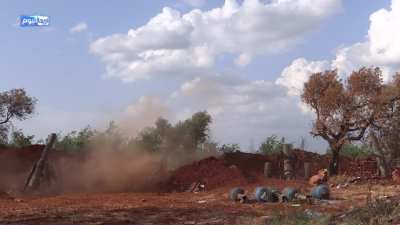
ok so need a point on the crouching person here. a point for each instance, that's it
(320, 178)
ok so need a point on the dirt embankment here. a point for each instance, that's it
(239, 168)
(100, 171)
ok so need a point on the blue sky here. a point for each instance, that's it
(66, 71)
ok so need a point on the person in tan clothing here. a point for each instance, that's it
(320, 178)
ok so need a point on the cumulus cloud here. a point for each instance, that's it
(382, 48)
(296, 74)
(172, 43)
(384, 34)
(80, 27)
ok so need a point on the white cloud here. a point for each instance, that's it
(296, 74)
(80, 27)
(175, 44)
(382, 48)
(384, 34)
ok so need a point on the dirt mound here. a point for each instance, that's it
(239, 167)
(214, 172)
(251, 165)
(97, 171)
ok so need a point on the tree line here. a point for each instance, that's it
(356, 115)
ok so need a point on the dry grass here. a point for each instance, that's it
(380, 212)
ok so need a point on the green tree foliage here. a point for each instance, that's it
(188, 135)
(198, 127)
(110, 139)
(271, 145)
(75, 140)
(354, 151)
(19, 139)
(14, 104)
(149, 139)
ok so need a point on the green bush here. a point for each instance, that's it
(271, 145)
(353, 151)
(19, 139)
(75, 140)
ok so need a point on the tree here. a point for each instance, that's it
(271, 145)
(14, 104)
(198, 128)
(188, 135)
(384, 135)
(76, 140)
(163, 127)
(149, 139)
(343, 111)
(19, 139)
(111, 139)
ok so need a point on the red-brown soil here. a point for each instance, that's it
(211, 207)
(169, 205)
(247, 168)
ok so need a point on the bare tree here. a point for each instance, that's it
(344, 111)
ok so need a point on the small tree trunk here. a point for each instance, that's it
(334, 163)
(383, 166)
(267, 169)
(288, 169)
(383, 157)
(307, 170)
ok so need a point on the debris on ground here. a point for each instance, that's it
(197, 187)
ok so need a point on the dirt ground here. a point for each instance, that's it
(210, 207)
(115, 196)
